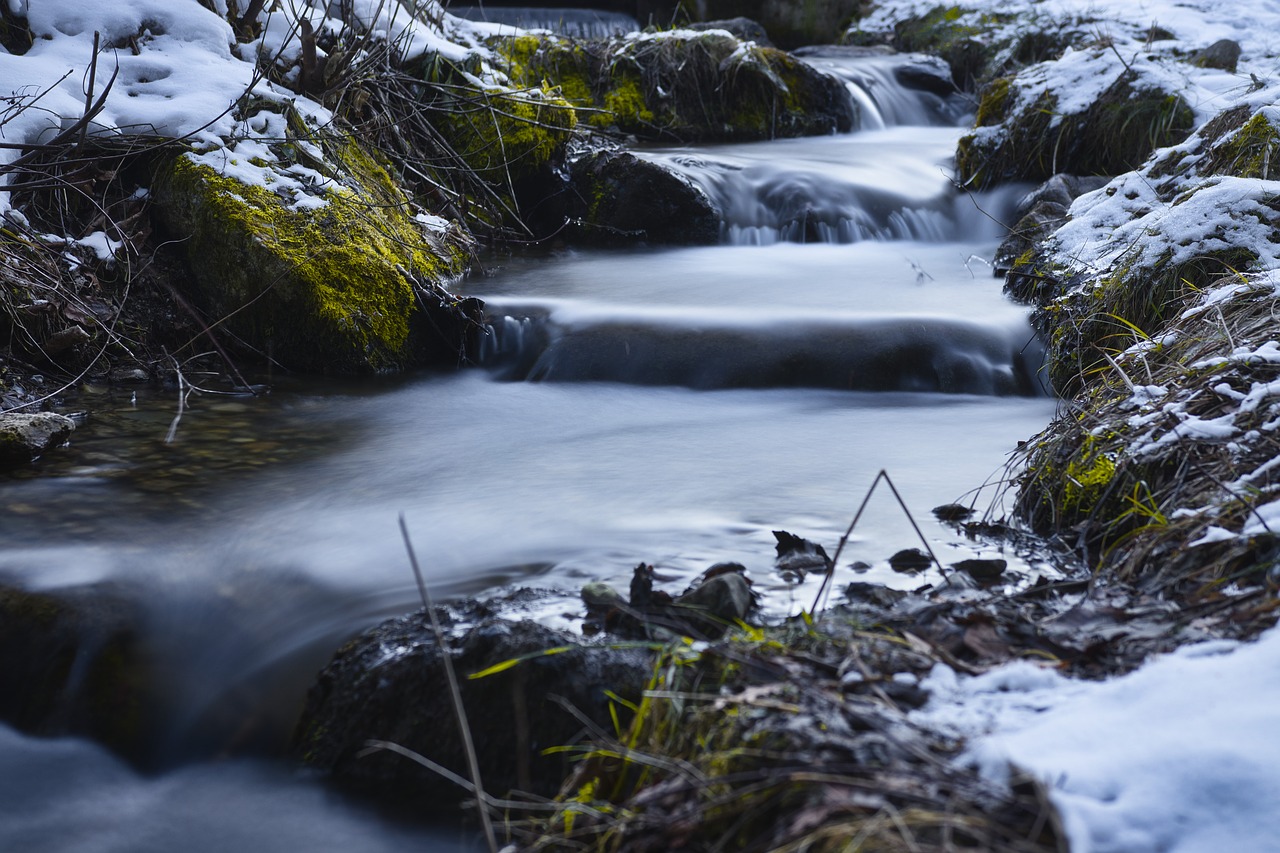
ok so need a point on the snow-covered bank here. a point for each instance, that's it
(1178, 757)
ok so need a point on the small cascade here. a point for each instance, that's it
(565, 342)
(579, 23)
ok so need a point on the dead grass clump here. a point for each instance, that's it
(786, 739)
(1162, 473)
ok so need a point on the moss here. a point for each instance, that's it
(1088, 477)
(1249, 152)
(702, 87)
(994, 103)
(506, 135)
(1115, 134)
(331, 288)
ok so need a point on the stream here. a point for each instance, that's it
(667, 405)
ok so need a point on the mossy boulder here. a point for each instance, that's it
(307, 250)
(1025, 132)
(506, 135)
(389, 685)
(24, 437)
(684, 85)
(790, 23)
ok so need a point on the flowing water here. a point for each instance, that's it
(670, 406)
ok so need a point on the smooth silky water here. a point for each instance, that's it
(670, 406)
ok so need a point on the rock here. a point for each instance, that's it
(1223, 54)
(24, 437)
(616, 197)
(1031, 230)
(952, 512)
(983, 571)
(796, 556)
(716, 604)
(334, 275)
(741, 28)
(910, 560)
(792, 23)
(927, 74)
(1021, 135)
(71, 664)
(874, 594)
(389, 685)
(683, 86)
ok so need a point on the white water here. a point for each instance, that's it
(546, 483)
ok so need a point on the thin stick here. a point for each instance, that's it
(834, 561)
(473, 763)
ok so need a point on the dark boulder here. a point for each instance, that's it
(927, 74)
(71, 662)
(389, 685)
(618, 198)
(1223, 54)
(24, 437)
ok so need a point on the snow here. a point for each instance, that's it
(1177, 757)
(178, 73)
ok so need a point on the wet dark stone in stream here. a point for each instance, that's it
(389, 685)
(983, 571)
(616, 198)
(71, 663)
(910, 560)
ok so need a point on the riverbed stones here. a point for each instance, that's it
(389, 685)
(26, 436)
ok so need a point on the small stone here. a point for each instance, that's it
(952, 512)
(910, 560)
(983, 571)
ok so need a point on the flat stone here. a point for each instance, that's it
(25, 437)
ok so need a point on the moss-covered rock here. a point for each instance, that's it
(506, 135)
(684, 85)
(309, 251)
(23, 437)
(1023, 133)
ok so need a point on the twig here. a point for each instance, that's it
(473, 763)
(883, 475)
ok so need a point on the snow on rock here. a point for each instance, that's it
(172, 69)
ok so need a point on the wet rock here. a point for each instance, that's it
(332, 276)
(389, 685)
(796, 554)
(927, 74)
(952, 512)
(1223, 54)
(742, 28)
(984, 571)
(873, 594)
(24, 437)
(617, 197)
(718, 602)
(71, 663)
(910, 560)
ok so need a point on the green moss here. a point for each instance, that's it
(329, 288)
(994, 103)
(1250, 152)
(1088, 477)
(506, 135)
